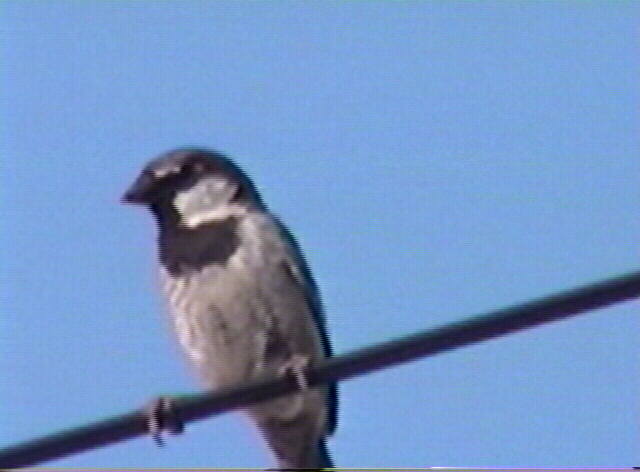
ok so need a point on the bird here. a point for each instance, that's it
(242, 299)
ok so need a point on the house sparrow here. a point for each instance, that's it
(242, 299)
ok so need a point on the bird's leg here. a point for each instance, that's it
(162, 415)
(295, 367)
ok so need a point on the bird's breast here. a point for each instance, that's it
(223, 314)
(230, 316)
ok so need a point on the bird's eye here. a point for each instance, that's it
(193, 168)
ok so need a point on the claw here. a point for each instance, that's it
(162, 415)
(295, 367)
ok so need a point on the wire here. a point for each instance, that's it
(359, 362)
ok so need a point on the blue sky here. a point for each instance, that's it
(434, 159)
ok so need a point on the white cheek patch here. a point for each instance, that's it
(206, 201)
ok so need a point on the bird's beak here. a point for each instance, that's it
(141, 191)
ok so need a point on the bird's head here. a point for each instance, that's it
(194, 185)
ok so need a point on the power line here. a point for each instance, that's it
(359, 362)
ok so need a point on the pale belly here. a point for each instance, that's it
(224, 324)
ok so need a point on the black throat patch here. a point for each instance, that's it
(190, 249)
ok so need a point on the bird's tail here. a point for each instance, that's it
(293, 447)
(317, 460)
(324, 458)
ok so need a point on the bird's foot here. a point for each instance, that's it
(295, 367)
(162, 415)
